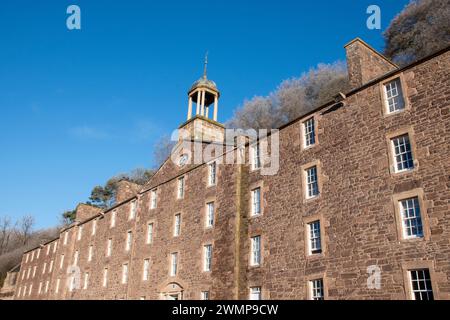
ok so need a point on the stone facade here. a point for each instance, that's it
(357, 206)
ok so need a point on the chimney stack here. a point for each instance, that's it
(365, 64)
(86, 211)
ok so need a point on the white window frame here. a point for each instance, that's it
(113, 218)
(255, 293)
(150, 230)
(48, 249)
(309, 132)
(177, 225)
(44, 268)
(94, 227)
(314, 238)
(90, 253)
(146, 270)
(80, 233)
(173, 264)
(210, 214)
(316, 289)
(46, 286)
(50, 269)
(405, 156)
(61, 262)
(133, 207)
(128, 241)
(75, 258)
(34, 272)
(66, 237)
(207, 257)
(256, 202)
(204, 295)
(180, 188)
(255, 251)
(255, 152)
(212, 174)
(38, 253)
(125, 273)
(86, 281)
(58, 282)
(413, 220)
(109, 245)
(105, 277)
(153, 199)
(393, 92)
(312, 182)
(55, 245)
(426, 287)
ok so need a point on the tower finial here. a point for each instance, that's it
(205, 68)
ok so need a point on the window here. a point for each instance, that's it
(50, 269)
(26, 258)
(394, 96)
(124, 273)
(403, 158)
(255, 152)
(411, 218)
(38, 253)
(212, 172)
(315, 245)
(209, 214)
(255, 258)
(142, 298)
(255, 293)
(46, 286)
(150, 233)
(146, 270)
(58, 282)
(48, 250)
(66, 237)
(40, 288)
(18, 292)
(177, 225)
(55, 245)
(421, 284)
(316, 289)
(207, 256)
(72, 284)
(75, 258)
(86, 281)
(105, 277)
(204, 295)
(309, 133)
(24, 291)
(128, 242)
(29, 272)
(180, 193)
(153, 199)
(32, 256)
(256, 202)
(132, 210)
(113, 219)
(90, 253)
(174, 264)
(312, 185)
(44, 267)
(109, 248)
(34, 271)
(80, 232)
(61, 262)
(94, 227)
(30, 290)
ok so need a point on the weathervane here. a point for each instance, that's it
(206, 65)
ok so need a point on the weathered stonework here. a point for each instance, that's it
(356, 209)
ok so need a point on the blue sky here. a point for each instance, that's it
(78, 107)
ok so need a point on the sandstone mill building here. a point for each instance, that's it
(359, 207)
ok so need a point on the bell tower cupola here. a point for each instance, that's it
(202, 96)
(201, 123)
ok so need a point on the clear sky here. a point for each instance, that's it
(78, 107)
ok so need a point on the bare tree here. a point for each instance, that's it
(5, 233)
(162, 149)
(422, 28)
(24, 228)
(293, 98)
